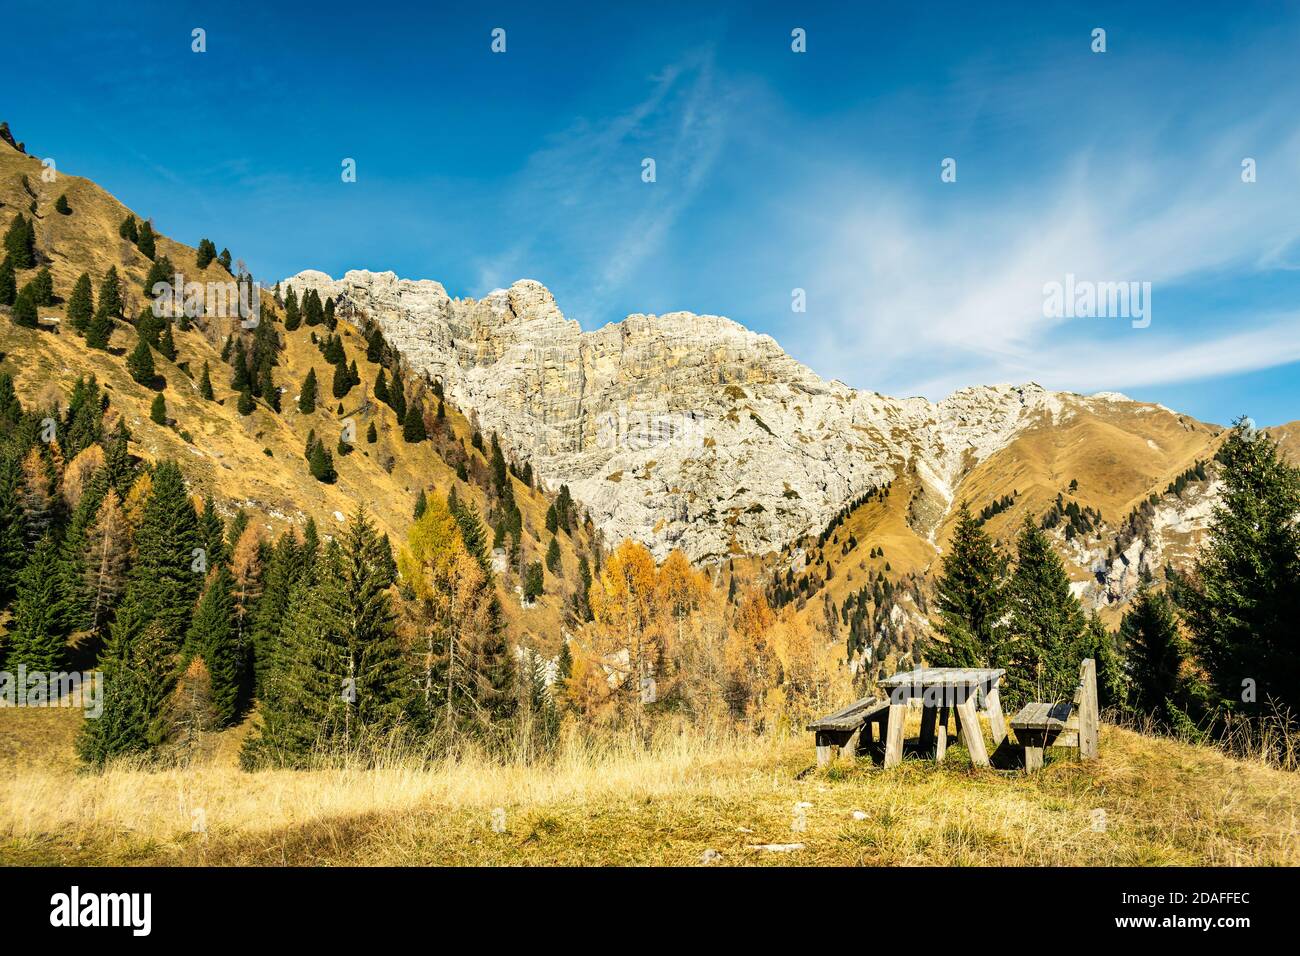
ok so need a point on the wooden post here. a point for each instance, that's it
(941, 744)
(997, 723)
(825, 749)
(1033, 758)
(1089, 719)
(972, 734)
(894, 734)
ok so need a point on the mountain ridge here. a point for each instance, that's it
(535, 376)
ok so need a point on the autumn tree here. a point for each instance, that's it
(623, 603)
(462, 663)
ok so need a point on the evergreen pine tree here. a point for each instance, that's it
(321, 464)
(211, 636)
(312, 311)
(307, 398)
(99, 331)
(145, 241)
(1102, 646)
(292, 316)
(164, 582)
(413, 427)
(167, 343)
(61, 205)
(13, 547)
(81, 307)
(472, 532)
(122, 728)
(110, 295)
(240, 380)
(500, 479)
(207, 251)
(1243, 599)
(225, 260)
(158, 410)
(212, 533)
(205, 384)
(421, 503)
(342, 380)
(1156, 653)
(20, 243)
(270, 391)
(43, 287)
(128, 230)
(397, 398)
(381, 388)
(283, 570)
(1045, 626)
(37, 636)
(245, 404)
(970, 598)
(140, 363)
(25, 308)
(161, 272)
(11, 410)
(9, 283)
(339, 678)
(117, 459)
(372, 435)
(553, 557)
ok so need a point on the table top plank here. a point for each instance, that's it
(944, 677)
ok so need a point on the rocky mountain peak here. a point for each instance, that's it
(681, 430)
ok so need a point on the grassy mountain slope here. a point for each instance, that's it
(256, 461)
(1120, 454)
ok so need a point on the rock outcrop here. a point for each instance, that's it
(682, 430)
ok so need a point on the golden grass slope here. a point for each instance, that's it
(1146, 801)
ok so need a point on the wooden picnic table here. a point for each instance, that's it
(944, 691)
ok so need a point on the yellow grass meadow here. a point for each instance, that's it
(1146, 801)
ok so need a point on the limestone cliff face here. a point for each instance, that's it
(680, 430)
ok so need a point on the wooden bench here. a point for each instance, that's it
(842, 731)
(1059, 724)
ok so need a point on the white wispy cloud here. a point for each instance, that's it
(579, 206)
(926, 300)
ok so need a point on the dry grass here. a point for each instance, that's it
(608, 803)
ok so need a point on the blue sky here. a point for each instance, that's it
(774, 170)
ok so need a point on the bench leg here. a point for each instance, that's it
(972, 734)
(997, 723)
(826, 748)
(1033, 758)
(850, 748)
(894, 735)
(941, 742)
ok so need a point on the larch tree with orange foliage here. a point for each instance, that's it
(246, 571)
(624, 605)
(749, 654)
